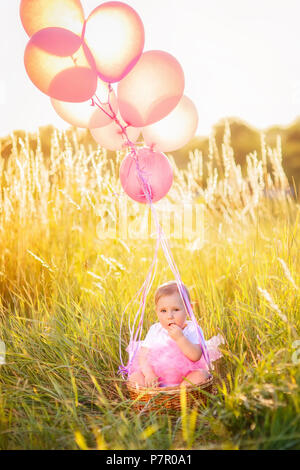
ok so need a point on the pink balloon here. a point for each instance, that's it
(151, 90)
(110, 137)
(85, 115)
(156, 171)
(55, 61)
(175, 130)
(115, 36)
(39, 14)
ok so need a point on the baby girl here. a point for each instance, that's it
(171, 354)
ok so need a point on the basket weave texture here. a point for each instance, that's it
(160, 398)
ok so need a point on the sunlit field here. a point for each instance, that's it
(65, 281)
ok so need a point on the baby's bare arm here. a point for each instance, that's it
(143, 361)
(190, 350)
(151, 378)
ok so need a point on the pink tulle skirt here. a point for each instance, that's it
(170, 364)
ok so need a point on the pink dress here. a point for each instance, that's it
(165, 357)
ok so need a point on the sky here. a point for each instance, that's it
(240, 58)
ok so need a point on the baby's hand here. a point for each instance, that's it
(151, 380)
(175, 332)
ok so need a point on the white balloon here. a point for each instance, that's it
(151, 90)
(115, 35)
(175, 130)
(84, 114)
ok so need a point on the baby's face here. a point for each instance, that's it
(170, 309)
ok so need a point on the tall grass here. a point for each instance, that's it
(63, 287)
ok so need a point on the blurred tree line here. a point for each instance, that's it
(244, 139)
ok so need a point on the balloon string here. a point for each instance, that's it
(161, 240)
(151, 275)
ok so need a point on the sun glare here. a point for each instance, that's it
(239, 59)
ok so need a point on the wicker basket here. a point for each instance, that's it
(161, 398)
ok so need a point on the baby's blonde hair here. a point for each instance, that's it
(169, 288)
